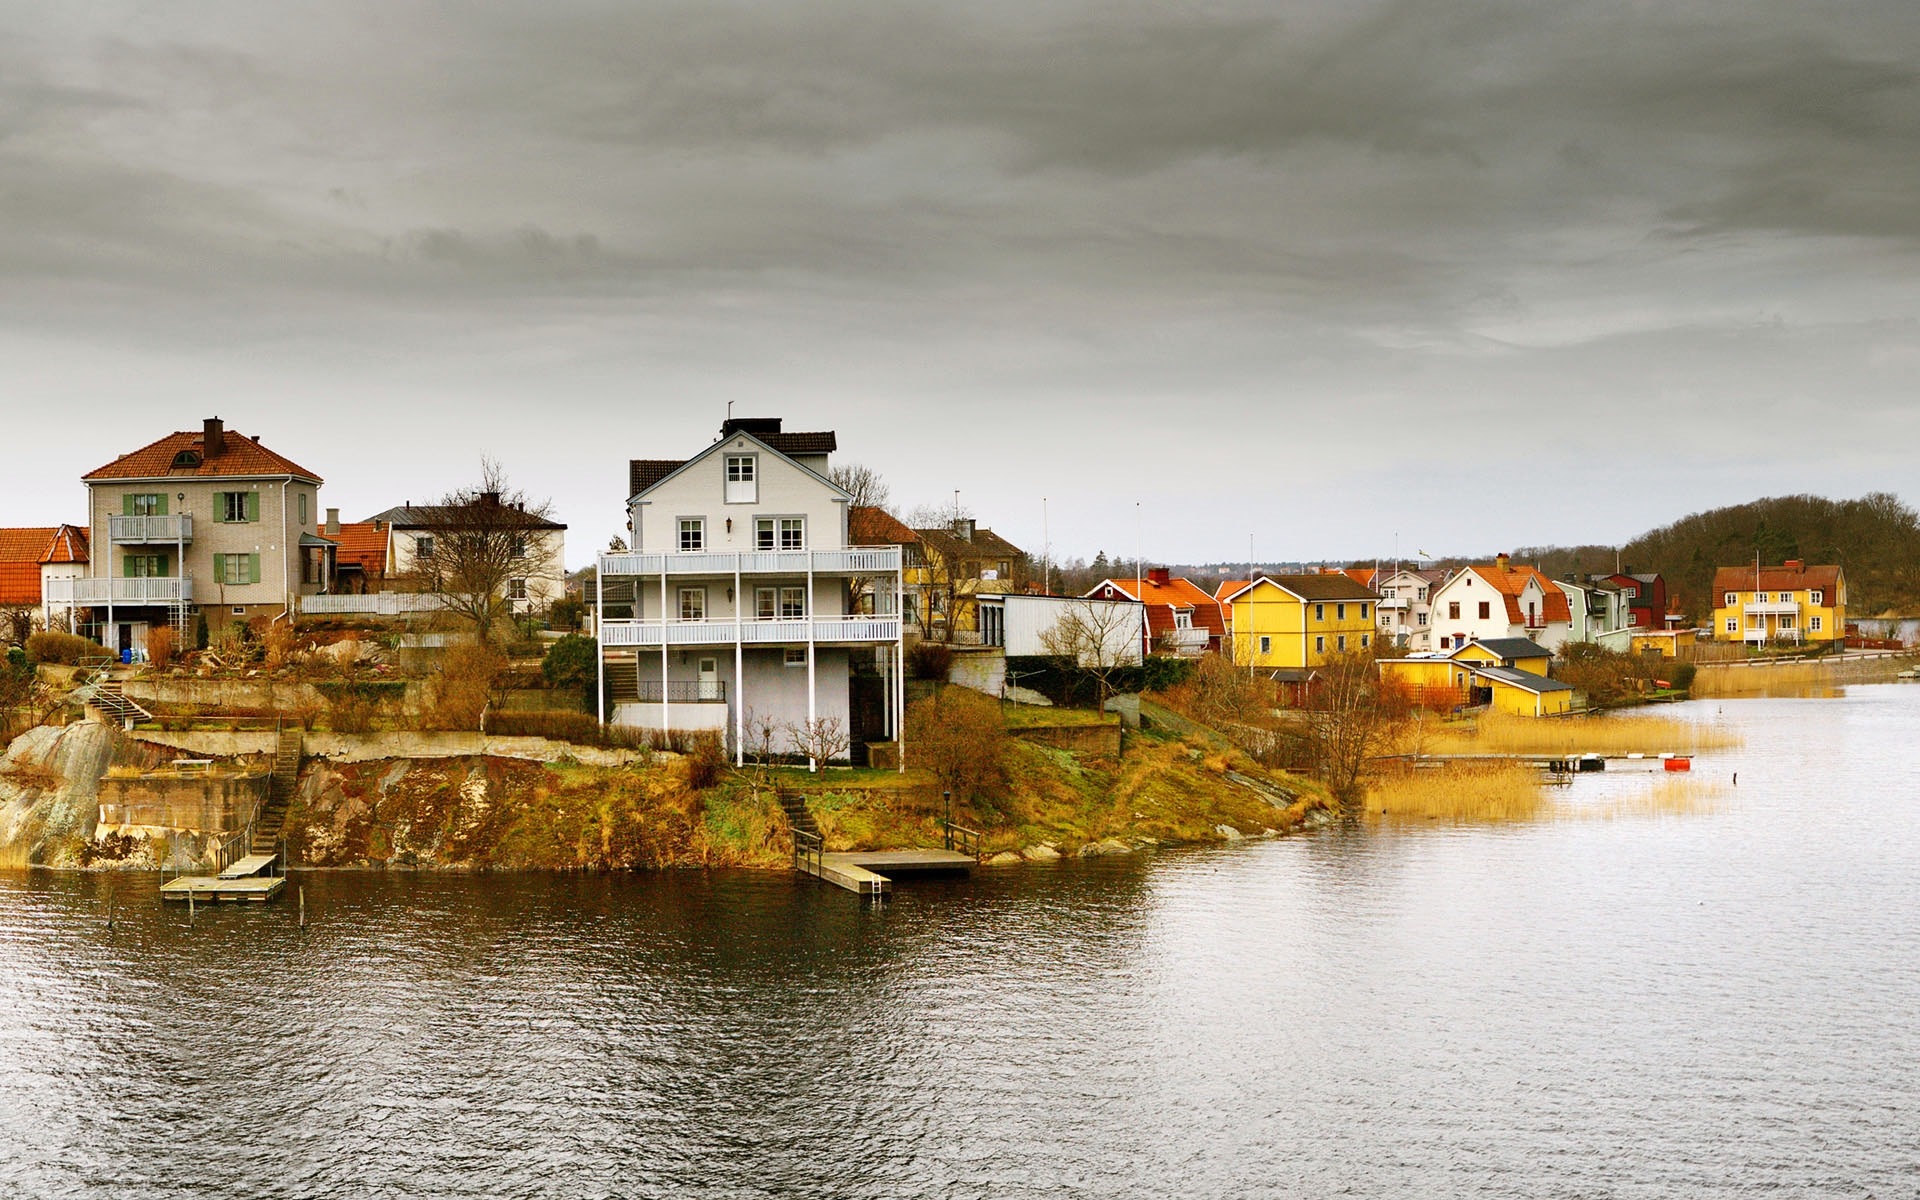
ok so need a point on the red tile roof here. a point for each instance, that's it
(869, 526)
(1775, 579)
(361, 544)
(1162, 599)
(23, 550)
(243, 456)
(1512, 581)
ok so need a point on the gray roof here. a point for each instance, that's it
(1524, 680)
(1515, 647)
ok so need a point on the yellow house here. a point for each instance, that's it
(1508, 674)
(1788, 603)
(1521, 654)
(1667, 643)
(1300, 621)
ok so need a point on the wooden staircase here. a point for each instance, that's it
(272, 819)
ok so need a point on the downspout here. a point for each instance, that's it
(286, 590)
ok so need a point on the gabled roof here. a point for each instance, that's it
(870, 526)
(1775, 579)
(459, 516)
(649, 473)
(1227, 587)
(1507, 648)
(244, 457)
(984, 544)
(1511, 583)
(1526, 681)
(1162, 599)
(23, 551)
(1334, 586)
(361, 545)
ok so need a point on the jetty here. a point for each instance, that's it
(872, 872)
(249, 879)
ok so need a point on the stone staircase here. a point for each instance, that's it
(799, 816)
(272, 818)
(104, 694)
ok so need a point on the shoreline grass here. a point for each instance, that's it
(1502, 793)
(1498, 733)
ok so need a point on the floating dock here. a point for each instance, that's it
(215, 889)
(871, 872)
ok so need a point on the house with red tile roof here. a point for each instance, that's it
(32, 557)
(199, 523)
(1182, 617)
(1500, 600)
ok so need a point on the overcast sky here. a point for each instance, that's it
(1444, 274)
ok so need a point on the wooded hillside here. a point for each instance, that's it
(1875, 538)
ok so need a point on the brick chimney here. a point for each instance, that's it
(1158, 576)
(1796, 564)
(333, 522)
(214, 441)
(1500, 561)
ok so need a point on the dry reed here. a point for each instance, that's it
(1499, 733)
(1668, 796)
(1792, 679)
(1481, 792)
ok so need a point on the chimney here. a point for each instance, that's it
(1796, 564)
(1500, 561)
(1158, 576)
(333, 522)
(214, 439)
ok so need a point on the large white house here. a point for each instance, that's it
(733, 609)
(1482, 603)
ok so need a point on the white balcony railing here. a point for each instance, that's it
(139, 530)
(1773, 608)
(856, 560)
(789, 632)
(379, 604)
(156, 590)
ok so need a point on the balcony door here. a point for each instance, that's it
(710, 679)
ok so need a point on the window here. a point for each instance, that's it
(1266, 644)
(1786, 620)
(693, 604)
(303, 508)
(516, 589)
(1421, 595)
(793, 533)
(742, 479)
(1420, 618)
(1339, 612)
(1732, 599)
(146, 566)
(796, 656)
(1363, 612)
(1486, 609)
(237, 507)
(1733, 624)
(1816, 597)
(1453, 610)
(766, 603)
(1386, 593)
(1363, 641)
(1320, 642)
(1183, 618)
(1636, 591)
(780, 533)
(236, 568)
(1813, 624)
(693, 534)
(143, 504)
(518, 549)
(1340, 643)
(423, 546)
(186, 459)
(793, 602)
(1319, 612)
(239, 610)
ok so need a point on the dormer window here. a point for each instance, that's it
(1183, 618)
(186, 460)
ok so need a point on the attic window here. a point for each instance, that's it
(186, 458)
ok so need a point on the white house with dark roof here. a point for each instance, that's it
(733, 610)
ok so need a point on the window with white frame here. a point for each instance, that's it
(693, 604)
(743, 483)
(1732, 599)
(1420, 618)
(796, 656)
(693, 534)
(423, 546)
(1363, 611)
(1183, 618)
(766, 603)
(780, 533)
(303, 508)
(1266, 644)
(519, 547)
(1320, 641)
(1814, 624)
(1816, 597)
(1319, 612)
(239, 506)
(1340, 643)
(1786, 621)
(516, 589)
(1733, 624)
(793, 602)
(1364, 643)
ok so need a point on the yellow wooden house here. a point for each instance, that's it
(1507, 674)
(1300, 621)
(1788, 603)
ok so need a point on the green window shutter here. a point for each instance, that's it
(253, 560)
(126, 505)
(160, 505)
(219, 507)
(253, 510)
(219, 568)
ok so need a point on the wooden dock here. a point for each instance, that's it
(217, 889)
(871, 872)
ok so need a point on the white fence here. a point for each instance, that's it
(377, 604)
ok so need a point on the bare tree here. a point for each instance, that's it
(864, 484)
(820, 740)
(1098, 637)
(942, 528)
(758, 730)
(1351, 718)
(490, 548)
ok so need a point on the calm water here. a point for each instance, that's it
(1725, 1004)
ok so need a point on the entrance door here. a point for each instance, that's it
(123, 637)
(710, 679)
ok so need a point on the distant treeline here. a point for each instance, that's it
(1875, 538)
